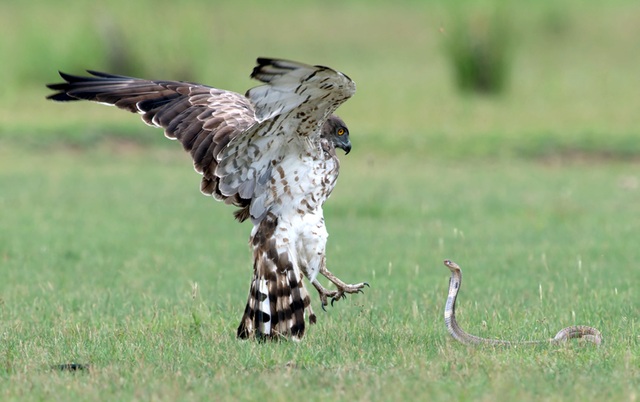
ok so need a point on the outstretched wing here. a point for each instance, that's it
(291, 108)
(202, 118)
(235, 141)
(314, 92)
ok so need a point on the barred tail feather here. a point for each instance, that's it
(277, 297)
(276, 305)
(297, 304)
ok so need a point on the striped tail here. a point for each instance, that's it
(277, 297)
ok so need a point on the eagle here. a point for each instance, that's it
(271, 153)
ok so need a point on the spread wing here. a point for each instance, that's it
(202, 118)
(291, 108)
(235, 141)
(314, 92)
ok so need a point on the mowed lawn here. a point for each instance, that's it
(111, 257)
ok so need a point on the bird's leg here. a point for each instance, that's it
(343, 288)
(342, 291)
(323, 292)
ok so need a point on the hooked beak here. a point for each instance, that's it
(345, 146)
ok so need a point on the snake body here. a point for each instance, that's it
(577, 331)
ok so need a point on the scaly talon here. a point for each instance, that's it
(342, 291)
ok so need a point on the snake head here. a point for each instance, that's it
(452, 265)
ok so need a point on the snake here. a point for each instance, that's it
(584, 332)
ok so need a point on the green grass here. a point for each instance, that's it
(110, 256)
(101, 250)
(478, 47)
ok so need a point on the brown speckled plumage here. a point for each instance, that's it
(271, 153)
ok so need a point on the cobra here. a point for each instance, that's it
(577, 331)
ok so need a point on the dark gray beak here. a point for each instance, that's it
(345, 145)
(347, 148)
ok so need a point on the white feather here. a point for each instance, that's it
(264, 305)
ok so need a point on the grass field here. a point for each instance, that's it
(110, 256)
(105, 249)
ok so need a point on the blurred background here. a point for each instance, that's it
(528, 79)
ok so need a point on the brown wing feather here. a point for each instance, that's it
(235, 141)
(202, 118)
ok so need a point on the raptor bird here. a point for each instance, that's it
(271, 153)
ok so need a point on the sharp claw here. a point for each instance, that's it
(343, 294)
(323, 309)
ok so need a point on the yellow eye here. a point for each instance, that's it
(341, 131)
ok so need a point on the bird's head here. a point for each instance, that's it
(336, 131)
